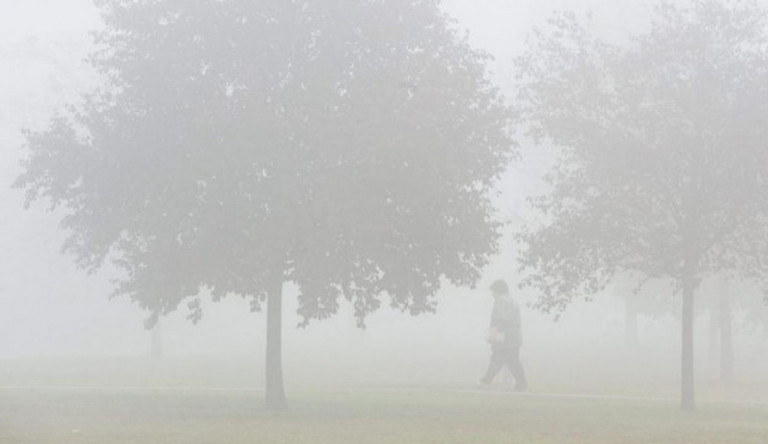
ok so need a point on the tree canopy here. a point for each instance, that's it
(662, 152)
(351, 145)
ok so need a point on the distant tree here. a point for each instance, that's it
(750, 313)
(662, 144)
(641, 297)
(156, 342)
(734, 304)
(725, 326)
(348, 147)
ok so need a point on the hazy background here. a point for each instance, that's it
(49, 309)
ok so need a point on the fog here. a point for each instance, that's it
(62, 329)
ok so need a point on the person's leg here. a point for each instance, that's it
(497, 363)
(516, 367)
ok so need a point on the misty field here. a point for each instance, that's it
(366, 417)
(307, 221)
(211, 401)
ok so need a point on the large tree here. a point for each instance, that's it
(662, 143)
(346, 146)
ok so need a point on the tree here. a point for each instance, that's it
(156, 342)
(662, 154)
(725, 325)
(641, 296)
(348, 147)
(733, 305)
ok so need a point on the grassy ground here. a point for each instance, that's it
(217, 401)
(362, 417)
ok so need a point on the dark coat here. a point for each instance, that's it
(505, 318)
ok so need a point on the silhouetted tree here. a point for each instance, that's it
(663, 156)
(725, 325)
(733, 304)
(156, 342)
(641, 297)
(346, 146)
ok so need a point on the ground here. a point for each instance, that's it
(361, 416)
(136, 401)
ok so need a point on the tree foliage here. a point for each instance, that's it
(662, 148)
(346, 146)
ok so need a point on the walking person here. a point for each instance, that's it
(505, 336)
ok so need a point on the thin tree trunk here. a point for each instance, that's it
(275, 391)
(726, 332)
(687, 400)
(156, 342)
(630, 326)
(714, 331)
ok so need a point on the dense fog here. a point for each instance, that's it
(62, 327)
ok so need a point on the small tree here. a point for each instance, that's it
(663, 159)
(641, 296)
(734, 304)
(348, 147)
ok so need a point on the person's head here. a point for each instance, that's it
(499, 288)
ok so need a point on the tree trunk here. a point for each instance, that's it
(156, 342)
(275, 392)
(630, 326)
(726, 332)
(714, 331)
(687, 401)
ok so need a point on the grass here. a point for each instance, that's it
(137, 401)
(363, 417)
